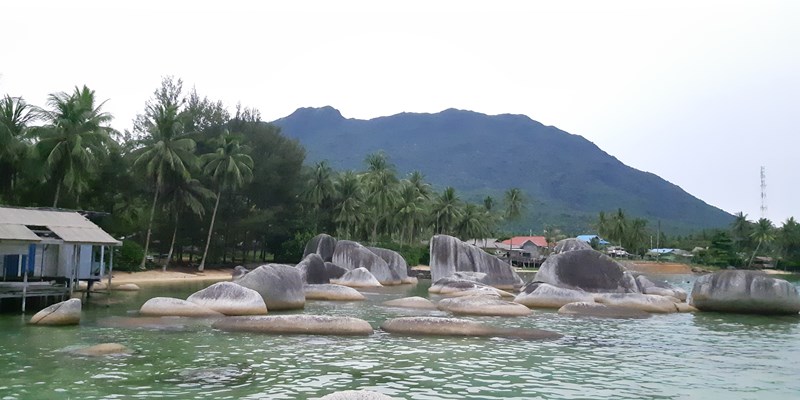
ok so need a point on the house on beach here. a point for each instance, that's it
(45, 252)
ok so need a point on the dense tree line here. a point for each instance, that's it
(196, 183)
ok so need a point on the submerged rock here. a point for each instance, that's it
(538, 294)
(483, 305)
(460, 287)
(296, 324)
(645, 302)
(352, 255)
(322, 244)
(313, 270)
(281, 286)
(230, 299)
(450, 255)
(586, 270)
(571, 244)
(358, 277)
(434, 326)
(63, 313)
(131, 287)
(168, 306)
(746, 292)
(411, 302)
(329, 291)
(103, 349)
(356, 395)
(587, 309)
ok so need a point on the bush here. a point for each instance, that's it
(128, 257)
(291, 251)
(414, 255)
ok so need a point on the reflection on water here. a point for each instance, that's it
(678, 356)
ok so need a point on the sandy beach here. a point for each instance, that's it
(172, 275)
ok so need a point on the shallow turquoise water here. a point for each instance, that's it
(677, 356)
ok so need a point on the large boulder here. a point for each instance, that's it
(63, 313)
(329, 291)
(397, 264)
(322, 244)
(334, 271)
(461, 287)
(659, 287)
(571, 244)
(645, 302)
(168, 306)
(450, 255)
(436, 326)
(747, 292)
(543, 295)
(358, 277)
(587, 270)
(296, 324)
(352, 255)
(411, 302)
(312, 269)
(230, 299)
(483, 305)
(592, 309)
(281, 286)
(356, 395)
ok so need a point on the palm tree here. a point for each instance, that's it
(764, 232)
(446, 211)
(410, 210)
(514, 203)
(741, 229)
(229, 168)
(350, 199)
(619, 227)
(72, 140)
(381, 182)
(167, 152)
(636, 235)
(417, 179)
(320, 188)
(183, 195)
(789, 237)
(603, 225)
(473, 223)
(15, 115)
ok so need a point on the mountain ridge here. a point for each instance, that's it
(569, 177)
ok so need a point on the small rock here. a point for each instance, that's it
(63, 313)
(538, 294)
(434, 326)
(645, 302)
(127, 287)
(333, 292)
(359, 277)
(587, 309)
(356, 395)
(167, 306)
(103, 349)
(230, 299)
(482, 305)
(297, 324)
(411, 302)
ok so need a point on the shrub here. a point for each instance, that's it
(128, 257)
(291, 251)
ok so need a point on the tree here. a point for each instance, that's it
(381, 181)
(319, 189)
(15, 115)
(72, 140)
(229, 168)
(618, 227)
(741, 229)
(789, 239)
(472, 223)
(181, 196)
(763, 232)
(349, 200)
(166, 149)
(410, 210)
(514, 201)
(446, 211)
(603, 225)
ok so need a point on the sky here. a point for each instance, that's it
(701, 93)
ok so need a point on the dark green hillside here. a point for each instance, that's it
(569, 178)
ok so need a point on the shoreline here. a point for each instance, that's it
(172, 275)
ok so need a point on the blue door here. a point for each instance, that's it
(11, 265)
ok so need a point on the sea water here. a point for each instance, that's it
(671, 356)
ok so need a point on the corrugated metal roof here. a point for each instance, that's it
(70, 226)
(17, 232)
(540, 241)
(71, 234)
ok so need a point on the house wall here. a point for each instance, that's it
(47, 260)
(7, 248)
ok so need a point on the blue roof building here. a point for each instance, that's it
(588, 238)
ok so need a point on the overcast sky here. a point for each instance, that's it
(701, 93)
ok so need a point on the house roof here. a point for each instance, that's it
(69, 226)
(519, 241)
(588, 238)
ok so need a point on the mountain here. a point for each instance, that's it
(568, 178)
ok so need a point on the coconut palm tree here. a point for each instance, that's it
(446, 210)
(229, 168)
(166, 152)
(417, 179)
(72, 140)
(15, 115)
(514, 203)
(472, 223)
(741, 229)
(603, 225)
(184, 195)
(619, 227)
(350, 199)
(763, 232)
(410, 210)
(320, 189)
(381, 190)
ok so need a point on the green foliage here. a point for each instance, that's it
(128, 256)
(413, 254)
(291, 251)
